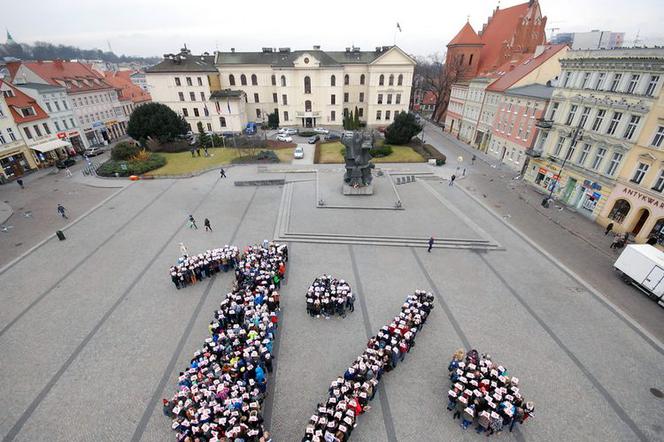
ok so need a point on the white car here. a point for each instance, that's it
(321, 130)
(284, 137)
(298, 153)
(282, 130)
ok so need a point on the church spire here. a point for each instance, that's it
(10, 40)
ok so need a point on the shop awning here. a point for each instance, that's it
(51, 145)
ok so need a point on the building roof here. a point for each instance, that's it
(127, 90)
(227, 93)
(540, 91)
(466, 36)
(41, 87)
(429, 98)
(72, 75)
(184, 61)
(286, 58)
(20, 100)
(512, 72)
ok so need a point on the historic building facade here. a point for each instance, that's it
(15, 157)
(604, 98)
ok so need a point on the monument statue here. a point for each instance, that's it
(358, 160)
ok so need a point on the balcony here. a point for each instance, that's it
(543, 123)
(534, 153)
(310, 114)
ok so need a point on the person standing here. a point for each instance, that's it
(206, 223)
(452, 178)
(183, 250)
(61, 211)
(222, 173)
(68, 173)
(192, 222)
(609, 227)
(19, 181)
(430, 244)
(472, 160)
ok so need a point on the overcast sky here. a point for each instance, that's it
(155, 27)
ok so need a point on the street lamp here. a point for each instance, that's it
(576, 137)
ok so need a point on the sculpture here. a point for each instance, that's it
(358, 165)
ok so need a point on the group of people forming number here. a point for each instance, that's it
(328, 296)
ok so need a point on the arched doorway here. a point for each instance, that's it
(658, 231)
(620, 210)
(640, 221)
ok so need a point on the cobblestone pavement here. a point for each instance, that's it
(575, 240)
(92, 342)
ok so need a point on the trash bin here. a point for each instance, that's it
(61, 236)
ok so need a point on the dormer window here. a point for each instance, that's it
(27, 111)
(8, 93)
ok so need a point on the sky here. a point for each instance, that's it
(156, 27)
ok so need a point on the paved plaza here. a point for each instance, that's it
(93, 333)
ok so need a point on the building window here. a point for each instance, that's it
(196, 114)
(346, 79)
(57, 126)
(570, 116)
(222, 121)
(554, 109)
(345, 111)
(380, 98)
(584, 81)
(307, 85)
(361, 97)
(254, 80)
(381, 80)
(362, 79)
(390, 83)
(389, 98)
(631, 127)
(345, 97)
(400, 78)
(333, 99)
(48, 106)
(27, 132)
(360, 112)
(47, 129)
(659, 137)
(283, 81)
(640, 172)
(27, 111)
(584, 117)
(619, 211)
(659, 184)
(202, 96)
(256, 99)
(333, 80)
(570, 151)
(177, 81)
(71, 120)
(559, 146)
(652, 85)
(599, 118)
(258, 113)
(387, 115)
(37, 130)
(584, 154)
(633, 81)
(307, 106)
(189, 81)
(192, 96)
(181, 95)
(599, 84)
(284, 99)
(397, 99)
(231, 80)
(333, 116)
(613, 165)
(275, 99)
(285, 115)
(243, 80)
(273, 80)
(566, 78)
(616, 81)
(614, 123)
(209, 127)
(378, 115)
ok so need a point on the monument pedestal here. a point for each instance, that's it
(364, 190)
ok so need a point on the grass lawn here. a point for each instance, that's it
(182, 163)
(331, 153)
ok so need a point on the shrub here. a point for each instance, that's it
(404, 127)
(428, 152)
(307, 133)
(124, 150)
(264, 156)
(155, 120)
(382, 151)
(131, 167)
(142, 155)
(170, 147)
(440, 162)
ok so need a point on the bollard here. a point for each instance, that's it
(412, 178)
(60, 235)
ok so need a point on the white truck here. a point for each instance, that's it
(643, 266)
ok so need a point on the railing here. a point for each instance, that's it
(315, 114)
(544, 123)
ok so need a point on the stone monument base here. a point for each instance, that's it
(364, 190)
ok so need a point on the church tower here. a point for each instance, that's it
(463, 52)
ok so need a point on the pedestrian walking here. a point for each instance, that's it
(20, 183)
(206, 223)
(61, 211)
(198, 151)
(472, 160)
(452, 178)
(192, 222)
(68, 173)
(205, 151)
(192, 150)
(430, 244)
(608, 229)
(222, 173)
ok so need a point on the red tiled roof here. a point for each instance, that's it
(73, 76)
(515, 71)
(466, 36)
(19, 101)
(500, 29)
(121, 80)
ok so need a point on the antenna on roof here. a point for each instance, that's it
(468, 18)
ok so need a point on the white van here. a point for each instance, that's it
(642, 265)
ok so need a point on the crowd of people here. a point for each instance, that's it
(349, 395)
(221, 393)
(482, 392)
(328, 296)
(191, 269)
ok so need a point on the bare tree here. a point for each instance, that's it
(433, 75)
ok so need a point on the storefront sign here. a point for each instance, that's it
(62, 135)
(73, 133)
(643, 197)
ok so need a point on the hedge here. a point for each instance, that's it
(113, 167)
(428, 152)
(307, 133)
(264, 156)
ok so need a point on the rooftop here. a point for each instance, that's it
(40, 87)
(466, 36)
(72, 75)
(20, 100)
(540, 91)
(127, 90)
(284, 57)
(184, 62)
(512, 72)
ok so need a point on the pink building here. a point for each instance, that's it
(515, 123)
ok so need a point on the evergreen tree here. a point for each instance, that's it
(156, 121)
(356, 121)
(404, 127)
(203, 138)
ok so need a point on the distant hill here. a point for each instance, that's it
(48, 51)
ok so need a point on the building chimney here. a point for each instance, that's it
(347, 50)
(233, 50)
(58, 64)
(317, 47)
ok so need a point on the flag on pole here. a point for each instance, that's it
(398, 27)
(228, 104)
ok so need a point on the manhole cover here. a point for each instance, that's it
(19, 244)
(657, 392)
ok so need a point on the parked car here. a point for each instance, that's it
(251, 128)
(298, 153)
(282, 130)
(347, 134)
(381, 129)
(93, 151)
(321, 130)
(291, 131)
(332, 137)
(314, 139)
(284, 137)
(63, 164)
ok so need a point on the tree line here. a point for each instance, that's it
(48, 51)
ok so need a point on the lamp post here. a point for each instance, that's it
(576, 137)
